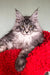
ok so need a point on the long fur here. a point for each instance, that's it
(26, 34)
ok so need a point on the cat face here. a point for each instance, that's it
(27, 24)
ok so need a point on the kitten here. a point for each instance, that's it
(26, 35)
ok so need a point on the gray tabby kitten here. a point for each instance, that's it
(26, 35)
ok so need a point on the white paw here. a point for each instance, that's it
(2, 48)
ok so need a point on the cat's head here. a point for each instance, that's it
(27, 24)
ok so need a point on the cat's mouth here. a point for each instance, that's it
(26, 33)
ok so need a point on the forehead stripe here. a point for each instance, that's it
(26, 19)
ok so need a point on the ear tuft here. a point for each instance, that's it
(35, 13)
(18, 14)
(34, 16)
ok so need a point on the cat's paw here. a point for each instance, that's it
(20, 64)
(1, 49)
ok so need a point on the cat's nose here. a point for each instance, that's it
(26, 31)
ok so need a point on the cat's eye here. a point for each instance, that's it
(30, 26)
(22, 26)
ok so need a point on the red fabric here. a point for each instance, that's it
(38, 61)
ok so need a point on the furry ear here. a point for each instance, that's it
(18, 15)
(34, 16)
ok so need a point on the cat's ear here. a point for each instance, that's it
(34, 16)
(19, 16)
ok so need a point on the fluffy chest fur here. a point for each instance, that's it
(24, 40)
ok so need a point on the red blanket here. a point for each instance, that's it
(38, 61)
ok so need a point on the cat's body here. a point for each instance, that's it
(26, 35)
